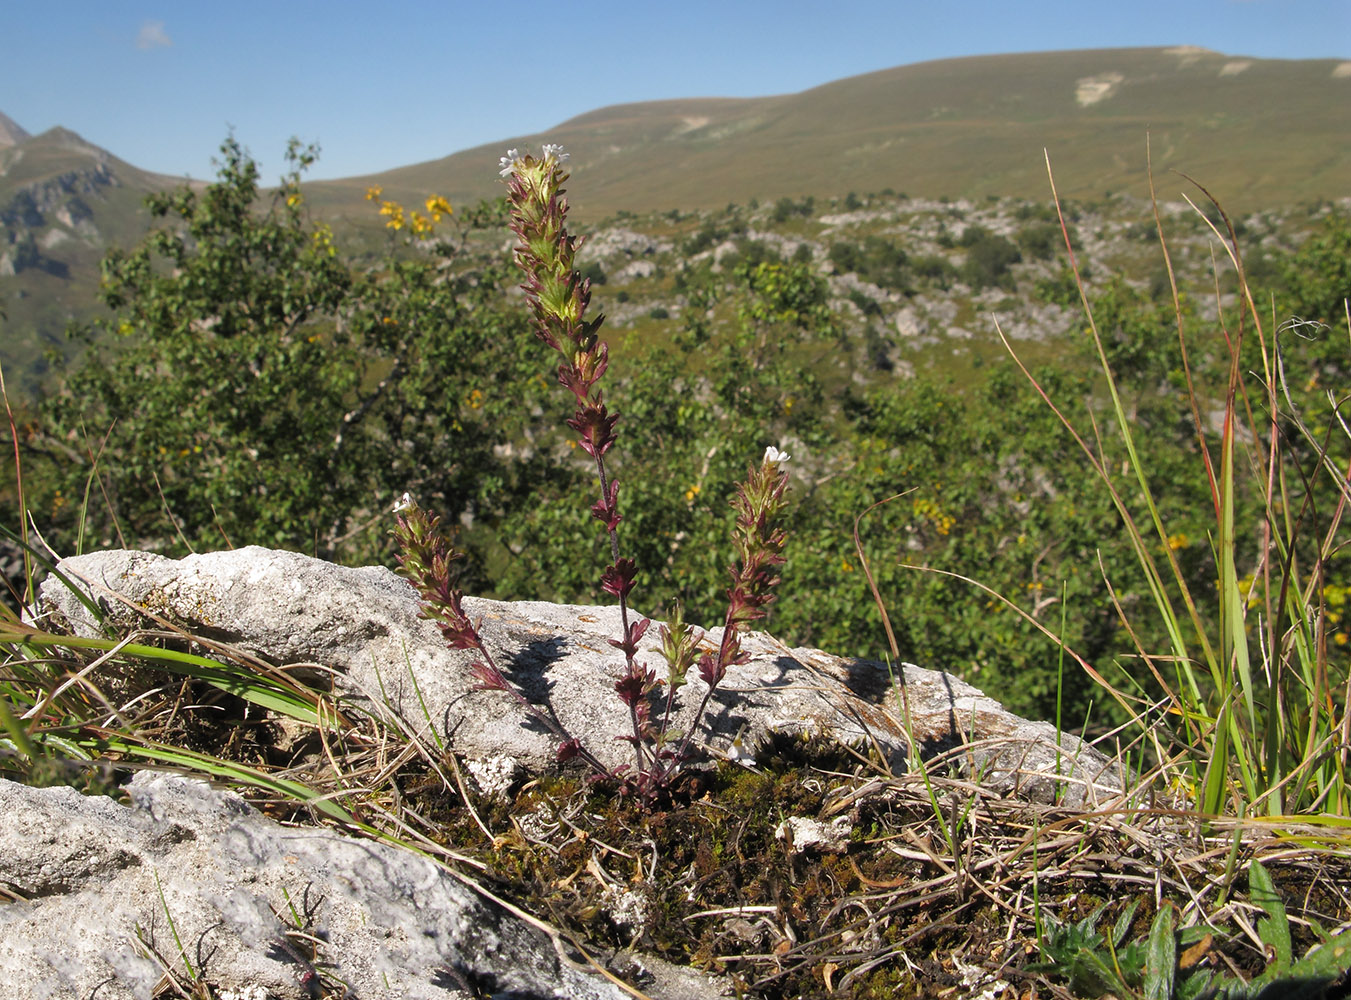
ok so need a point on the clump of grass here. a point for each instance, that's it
(1254, 714)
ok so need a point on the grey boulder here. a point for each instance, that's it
(107, 901)
(363, 624)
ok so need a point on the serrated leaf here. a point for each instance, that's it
(1195, 985)
(1327, 961)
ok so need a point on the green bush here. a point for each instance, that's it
(256, 386)
(877, 260)
(988, 259)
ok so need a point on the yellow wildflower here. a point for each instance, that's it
(438, 207)
(374, 192)
(395, 214)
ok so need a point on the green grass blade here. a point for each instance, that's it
(227, 771)
(266, 692)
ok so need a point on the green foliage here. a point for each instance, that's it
(1093, 963)
(787, 208)
(935, 269)
(1041, 240)
(1097, 964)
(1319, 275)
(988, 259)
(593, 272)
(257, 387)
(1060, 288)
(877, 260)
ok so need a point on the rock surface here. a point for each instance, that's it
(197, 877)
(363, 623)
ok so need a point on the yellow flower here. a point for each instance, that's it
(475, 399)
(420, 224)
(293, 199)
(438, 207)
(1247, 586)
(1178, 541)
(374, 192)
(395, 213)
(692, 492)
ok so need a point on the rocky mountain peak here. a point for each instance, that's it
(11, 133)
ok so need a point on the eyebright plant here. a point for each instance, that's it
(558, 297)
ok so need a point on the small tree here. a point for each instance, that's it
(256, 387)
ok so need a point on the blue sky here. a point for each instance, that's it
(380, 85)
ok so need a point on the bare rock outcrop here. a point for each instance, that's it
(363, 623)
(107, 900)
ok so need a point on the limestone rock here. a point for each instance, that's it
(363, 623)
(102, 887)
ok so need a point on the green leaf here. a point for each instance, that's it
(1326, 962)
(1161, 955)
(1274, 928)
(267, 692)
(235, 774)
(1122, 927)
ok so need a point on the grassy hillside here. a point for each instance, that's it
(1260, 131)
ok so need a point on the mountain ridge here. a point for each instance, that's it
(11, 132)
(975, 126)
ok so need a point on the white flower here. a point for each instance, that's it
(774, 456)
(508, 162)
(404, 503)
(555, 151)
(737, 753)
